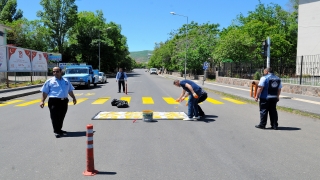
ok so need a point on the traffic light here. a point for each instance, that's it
(264, 48)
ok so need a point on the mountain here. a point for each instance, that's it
(141, 56)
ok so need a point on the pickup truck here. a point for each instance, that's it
(82, 75)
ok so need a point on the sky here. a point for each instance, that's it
(146, 22)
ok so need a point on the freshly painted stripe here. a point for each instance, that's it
(213, 101)
(90, 131)
(10, 102)
(234, 101)
(79, 94)
(90, 139)
(80, 100)
(90, 146)
(170, 100)
(126, 99)
(29, 103)
(101, 100)
(147, 100)
(90, 94)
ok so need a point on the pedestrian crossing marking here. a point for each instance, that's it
(89, 94)
(170, 100)
(10, 102)
(101, 100)
(29, 103)
(147, 100)
(128, 99)
(138, 115)
(79, 94)
(187, 98)
(234, 101)
(80, 100)
(213, 101)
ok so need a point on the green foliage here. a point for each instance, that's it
(8, 11)
(257, 75)
(59, 16)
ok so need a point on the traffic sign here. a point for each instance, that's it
(206, 65)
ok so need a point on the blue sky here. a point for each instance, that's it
(145, 22)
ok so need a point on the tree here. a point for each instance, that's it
(59, 16)
(8, 11)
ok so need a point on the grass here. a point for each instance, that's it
(20, 84)
(280, 108)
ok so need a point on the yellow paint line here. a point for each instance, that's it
(29, 103)
(101, 100)
(170, 100)
(80, 100)
(213, 101)
(10, 102)
(234, 101)
(90, 94)
(147, 100)
(126, 99)
(78, 94)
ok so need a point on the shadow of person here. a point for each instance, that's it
(288, 128)
(106, 173)
(76, 134)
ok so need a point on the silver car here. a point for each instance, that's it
(153, 71)
(102, 77)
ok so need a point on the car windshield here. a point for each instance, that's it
(77, 71)
(100, 74)
(153, 69)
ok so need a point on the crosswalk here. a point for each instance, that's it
(146, 100)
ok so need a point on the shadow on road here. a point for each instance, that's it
(106, 173)
(289, 128)
(76, 134)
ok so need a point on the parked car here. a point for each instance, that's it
(153, 71)
(102, 78)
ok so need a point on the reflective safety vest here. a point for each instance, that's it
(273, 83)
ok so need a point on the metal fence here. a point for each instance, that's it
(7, 78)
(288, 70)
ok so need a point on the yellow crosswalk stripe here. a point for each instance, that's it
(234, 101)
(128, 99)
(213, 101)
(170, 100)
(10, 102)
(29, 103)
(147, 100)
(89, 94)
(101, 100)
(79, 94)
(187, 98)
(80, 100)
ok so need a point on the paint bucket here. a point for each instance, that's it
(147, 115)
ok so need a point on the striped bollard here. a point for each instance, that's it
(90, 171)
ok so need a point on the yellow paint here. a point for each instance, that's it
(126, 99)
(234, 101)
(80, 100)
(10, 102)
(147, 100)
(138, 115)
(29, 103)
(101, 100)
(213, 101)
(78, 94)
(89, 94)
(170, 100)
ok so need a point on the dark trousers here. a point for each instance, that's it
(268, 106)
(58, 109)
(121, 82)
(202, 98)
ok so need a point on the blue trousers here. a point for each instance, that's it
(193, 105)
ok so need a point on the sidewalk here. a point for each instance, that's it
(304, 103)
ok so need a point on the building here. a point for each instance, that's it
(308, 38)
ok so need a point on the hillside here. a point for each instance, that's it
(140, 56)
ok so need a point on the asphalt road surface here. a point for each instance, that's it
(222, 145)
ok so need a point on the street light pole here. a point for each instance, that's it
(185, 61)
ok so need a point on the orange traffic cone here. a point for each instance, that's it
(90, 171)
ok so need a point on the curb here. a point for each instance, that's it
(19, 95)
(20, 88)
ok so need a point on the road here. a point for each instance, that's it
(223, 145)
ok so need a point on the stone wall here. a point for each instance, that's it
(288, 88)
